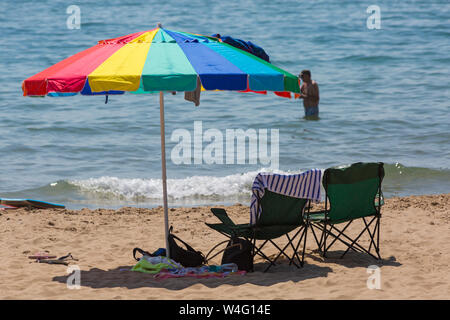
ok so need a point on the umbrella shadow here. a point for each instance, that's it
(122, 277)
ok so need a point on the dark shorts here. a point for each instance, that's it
(312, 111)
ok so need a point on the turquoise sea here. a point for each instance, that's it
(384, 97)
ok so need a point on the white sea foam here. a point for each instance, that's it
(190, 187)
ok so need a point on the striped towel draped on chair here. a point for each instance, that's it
(304, 185)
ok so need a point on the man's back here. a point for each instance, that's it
(310, 92)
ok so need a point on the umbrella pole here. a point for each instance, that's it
(163, 167)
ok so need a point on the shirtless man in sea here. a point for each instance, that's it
(309, 94)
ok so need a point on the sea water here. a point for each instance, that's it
(384, 96)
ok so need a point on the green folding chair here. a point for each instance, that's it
(351, 193)
(280, 215)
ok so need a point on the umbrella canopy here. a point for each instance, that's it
(160, 60)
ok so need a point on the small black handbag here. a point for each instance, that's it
(239, 251)
(186, 257)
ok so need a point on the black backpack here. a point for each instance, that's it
(239, 251)
(186, 257)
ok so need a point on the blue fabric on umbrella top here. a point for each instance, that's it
(244, 45)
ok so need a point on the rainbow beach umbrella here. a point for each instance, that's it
(160, 60)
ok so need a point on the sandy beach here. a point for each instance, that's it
(415, 246)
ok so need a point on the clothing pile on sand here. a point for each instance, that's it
(163, 268)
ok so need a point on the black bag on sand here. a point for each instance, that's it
(143, 252)
(157, 253)
(239, 251)
(186, 257)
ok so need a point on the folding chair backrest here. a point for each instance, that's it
(351, 190)
(278, 209)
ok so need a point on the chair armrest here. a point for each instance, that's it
(379, 196)
(222, 215)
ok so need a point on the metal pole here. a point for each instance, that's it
(163, 167)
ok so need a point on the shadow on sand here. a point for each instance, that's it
(352, 259)
(121, 277)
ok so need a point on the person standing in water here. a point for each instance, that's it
(309, 94)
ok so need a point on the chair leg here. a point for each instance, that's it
(282, 252)
(371, 235)
(259, 252)
(352, 244)
(271, 262)
(378, 236)
(357, 247)
(375, 236)
(320, 228)
(325, 234)
(357, 238)
(290, 243)
(293, 248)
(314, 234)
(304, 229)
(322, 243)
(371, 240)
(304, 246)
(340, 233)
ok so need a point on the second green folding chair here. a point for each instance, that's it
(352, 193)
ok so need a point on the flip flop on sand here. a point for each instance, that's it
(53, 261)
(60, 260)
(41, 255)
(68, 256)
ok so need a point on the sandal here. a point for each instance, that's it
(60, 260)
